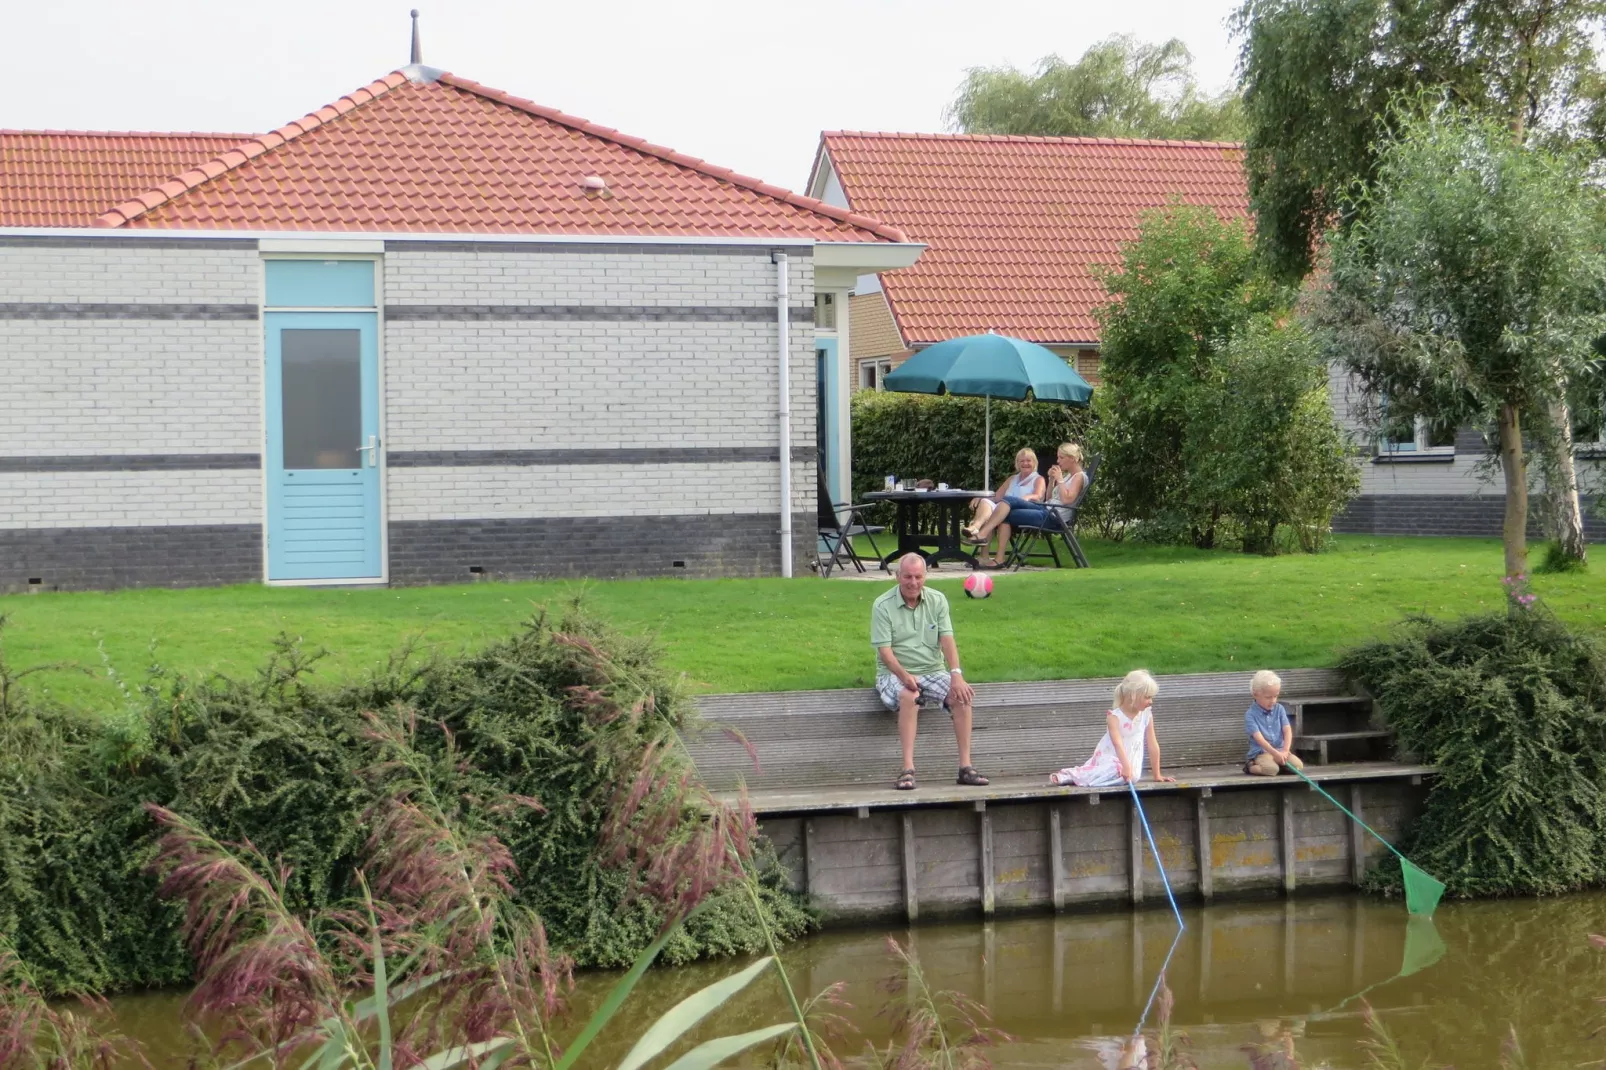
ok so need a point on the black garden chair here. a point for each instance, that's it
(839, 523)
(1029, 542)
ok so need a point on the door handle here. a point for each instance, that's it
(372, 449)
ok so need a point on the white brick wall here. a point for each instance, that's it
(87, 387)
(503, 385)
(129, 499)
(588, 490)
(118, 273)
(95, 387)
(538, 276)
(578, 385)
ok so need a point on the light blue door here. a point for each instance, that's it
(828, 423)
(323, 446)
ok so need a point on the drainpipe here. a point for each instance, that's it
(784, 340)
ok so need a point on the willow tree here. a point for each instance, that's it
(1120, 87)
(1469, 287)
(1318, 78)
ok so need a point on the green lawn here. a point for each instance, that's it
(1171, 610)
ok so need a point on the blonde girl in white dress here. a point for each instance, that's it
(1118, 759)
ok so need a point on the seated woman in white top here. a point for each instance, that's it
(1067, 478)
(1023, 490)
(1065, 482)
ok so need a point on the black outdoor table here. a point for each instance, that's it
(943, 544)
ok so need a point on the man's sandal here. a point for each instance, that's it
(969, 777)
(906, 780)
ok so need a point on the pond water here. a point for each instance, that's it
(1243, 974)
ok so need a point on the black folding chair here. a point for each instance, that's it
(836, 534)
(1060, 526)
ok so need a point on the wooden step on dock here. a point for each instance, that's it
(822, 787)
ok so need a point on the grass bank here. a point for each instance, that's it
(1170, 609)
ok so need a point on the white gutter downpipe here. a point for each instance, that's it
(784, 340)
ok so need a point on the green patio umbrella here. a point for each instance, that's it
(991, 366)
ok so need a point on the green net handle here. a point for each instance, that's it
(1318, 788)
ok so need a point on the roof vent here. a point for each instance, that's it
(417, 56)
(596, 185)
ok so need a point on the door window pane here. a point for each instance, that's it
(322, 372)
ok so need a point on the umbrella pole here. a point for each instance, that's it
(987, 449)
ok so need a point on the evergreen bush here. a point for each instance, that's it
(1512, 711)
(275, 760)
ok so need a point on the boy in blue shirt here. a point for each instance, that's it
(1271, 737)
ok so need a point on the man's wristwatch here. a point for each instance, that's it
(957, 671)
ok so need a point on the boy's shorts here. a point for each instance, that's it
(1264, 764)
(933, 689)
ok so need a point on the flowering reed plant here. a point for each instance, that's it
(37, 1035)
(437, 963)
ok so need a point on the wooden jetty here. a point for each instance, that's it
(822, 788)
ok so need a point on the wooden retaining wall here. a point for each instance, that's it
(1053, 854)
(817, 766)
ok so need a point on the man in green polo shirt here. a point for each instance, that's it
(918, 662)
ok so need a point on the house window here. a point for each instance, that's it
(1417, 437)
(872, 372)
(825, 311)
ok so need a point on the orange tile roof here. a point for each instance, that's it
(65, 178)
(424, 151)
(1015, 226)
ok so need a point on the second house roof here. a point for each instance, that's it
(1017, 227)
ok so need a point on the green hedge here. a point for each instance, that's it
(1512, 711)
(276, 759)
(941, 437)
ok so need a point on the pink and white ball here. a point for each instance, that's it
(978, 585)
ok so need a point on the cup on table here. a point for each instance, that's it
(942, 486)
(898, 485)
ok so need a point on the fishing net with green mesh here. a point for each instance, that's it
(1422, 891)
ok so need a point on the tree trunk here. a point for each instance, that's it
(1514, 533)
(1569, 515)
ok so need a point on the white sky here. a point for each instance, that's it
(746, 85)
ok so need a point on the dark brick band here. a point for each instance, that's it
(76, 559)
(427, 551)
(1443, 514)
(734, 544)
(610, 457)
(134, 462)
(598, 313)
(122, 241)
(81, 310)
(212, 462)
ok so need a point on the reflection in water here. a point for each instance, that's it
(1423, 948)
(1243, 974)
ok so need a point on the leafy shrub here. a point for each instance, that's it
(275, 760)
(1262, 440)
(1512, 711)
(1214, 421)
(1557, 559)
